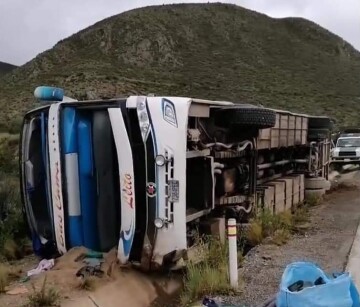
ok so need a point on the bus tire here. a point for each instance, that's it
(311, 194)
(316, 183)
(260, 118)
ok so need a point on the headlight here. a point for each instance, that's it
(144, 127)
(143, 117)
(141, 106)
(159, 223)
(335, 152)
(160, 160)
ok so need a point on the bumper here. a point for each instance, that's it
(345, 160)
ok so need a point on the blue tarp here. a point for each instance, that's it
(336, 291)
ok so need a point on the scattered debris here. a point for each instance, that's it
(207, 302)
(24, 279)
(87, 270)
(94, 262)
(89, 255)
(44, 265)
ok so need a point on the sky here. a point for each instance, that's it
(29, 27)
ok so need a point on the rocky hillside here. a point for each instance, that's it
(214, 51)
(5, 68)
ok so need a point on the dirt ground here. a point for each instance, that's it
(327, 242)
(118, 284)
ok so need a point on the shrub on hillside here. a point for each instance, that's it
(9, 156)
(12, 225)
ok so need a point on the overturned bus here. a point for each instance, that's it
(143, 174)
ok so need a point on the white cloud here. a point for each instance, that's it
(28, 27)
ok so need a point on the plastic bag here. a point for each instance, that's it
(337, 291)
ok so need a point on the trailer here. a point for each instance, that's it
(148, 175)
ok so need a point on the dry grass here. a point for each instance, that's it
(210, 277)
(313, 201)
(254, 234)
(4, 277)
(12, 226)
(281, 236)
(45, 297)
(278, 227)
(267, 224)
(15, 272)
(301, 215)
(11, 250)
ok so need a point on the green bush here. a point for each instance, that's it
(15, 126)
(9, 156)
(44, 297)
(12, 224)
(267, 224)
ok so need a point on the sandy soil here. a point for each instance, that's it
(118, 284)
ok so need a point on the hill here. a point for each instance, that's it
(214, 51)
(5, 68)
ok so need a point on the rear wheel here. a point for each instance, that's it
(311, 195)
(316, 183)
(245, 116)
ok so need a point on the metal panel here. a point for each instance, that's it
(56, 176)
(126, 172)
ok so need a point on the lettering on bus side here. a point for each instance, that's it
(127, 189)
(61, 225)
(58, 205)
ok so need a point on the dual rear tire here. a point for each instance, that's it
(316, 188)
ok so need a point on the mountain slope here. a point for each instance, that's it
(5, 68)
(213, 51)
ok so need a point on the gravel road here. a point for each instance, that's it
(327, 242)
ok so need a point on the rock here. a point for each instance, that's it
(266, 257)
(302, 228)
